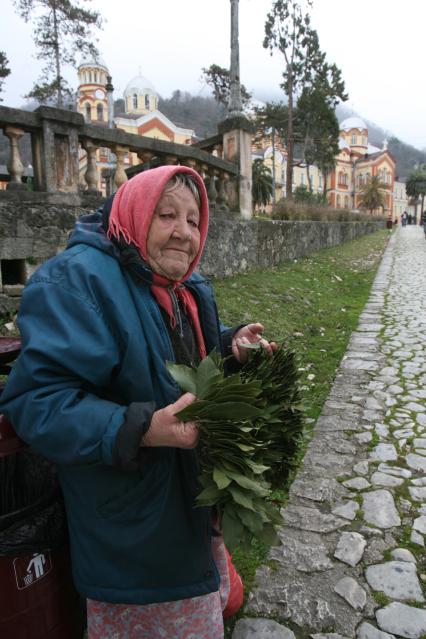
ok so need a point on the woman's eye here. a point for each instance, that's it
(193, 223)
(166, 216)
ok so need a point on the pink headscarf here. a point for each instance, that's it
(131, 216)
(134, 205)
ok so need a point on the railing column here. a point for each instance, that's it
(171, 159)
(14, 165)
(212, 191)
(55, 149)
(92, 174)
(120, 174)
(237, 136)
(145, 157)
(222, 198)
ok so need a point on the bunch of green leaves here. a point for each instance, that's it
(249, 425)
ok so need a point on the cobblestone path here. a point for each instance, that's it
(352, 561)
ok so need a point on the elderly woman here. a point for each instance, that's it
(91, 392)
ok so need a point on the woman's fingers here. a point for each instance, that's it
(167, 430)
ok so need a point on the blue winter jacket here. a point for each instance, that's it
(95, 343)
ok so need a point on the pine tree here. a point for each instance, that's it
(62, 29)
(4, 69)
(218, 80)
(288, 29)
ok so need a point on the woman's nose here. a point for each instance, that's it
(182, 229)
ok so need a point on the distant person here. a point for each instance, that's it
(404, 218)
(424, 221)
(410, 218)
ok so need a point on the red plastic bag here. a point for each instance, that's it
(236, 590)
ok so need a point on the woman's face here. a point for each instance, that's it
(174, 235)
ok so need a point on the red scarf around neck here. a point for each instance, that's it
(160, 288)
(131, 216)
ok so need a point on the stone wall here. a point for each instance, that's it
(34, 227)
(236, 246)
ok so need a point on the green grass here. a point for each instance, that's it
(313, 305)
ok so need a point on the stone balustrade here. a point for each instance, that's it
(59, 138)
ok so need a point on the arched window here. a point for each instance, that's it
(338, 201)
(147, 101)
(100, 112)
(90, 77)
(96, 77)
(354, 139)
(346, 202)
(135, 101)
(88, 112)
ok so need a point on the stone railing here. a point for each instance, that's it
(58, 137)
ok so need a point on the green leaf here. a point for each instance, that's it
(222, 481)
(269, 535)
(249, 484)
(232, 529)
(208, 496)
(240, 497)
(251, 520)
(207, 374)
(184, 376)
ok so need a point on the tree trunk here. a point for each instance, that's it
(273, 168)
(289, 171)
(308, 175)
(59, 100)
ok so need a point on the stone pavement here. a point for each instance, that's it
(352, 561)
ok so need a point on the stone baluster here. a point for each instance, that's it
(222, 198)
(218, 150)
(212, 191)
(120, 174)
(145, 156)
(192, 163)
(92, 174)
(14, 165)
(171, 159)
(202, 170)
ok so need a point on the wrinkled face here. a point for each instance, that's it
(174, 235)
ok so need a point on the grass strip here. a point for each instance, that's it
(312, 304)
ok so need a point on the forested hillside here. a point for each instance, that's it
(202, 114)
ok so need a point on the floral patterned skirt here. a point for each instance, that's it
(195, 618)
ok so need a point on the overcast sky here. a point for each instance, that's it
(378, 44)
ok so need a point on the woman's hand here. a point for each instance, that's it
(166, 430)
(250, 334)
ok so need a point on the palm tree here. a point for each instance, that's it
(261, 183)
(416, 186)
(373, 194)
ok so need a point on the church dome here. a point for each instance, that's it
(353, 123)
(92, 61)
(140, 86)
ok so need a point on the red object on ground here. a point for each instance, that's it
(236, 590)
